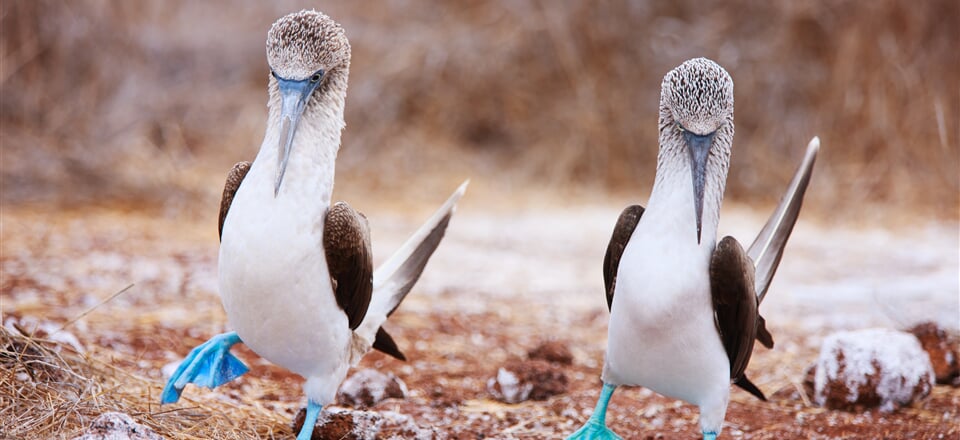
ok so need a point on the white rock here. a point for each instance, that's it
(117, 426)
(873, 367)
(345, 423)
(368, 387)
(45, 330)
(508, 388)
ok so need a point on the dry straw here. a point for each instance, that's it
(48, 390)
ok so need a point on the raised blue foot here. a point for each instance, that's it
(596, 427)
(313, 410)
(709, 436)
(209, 365)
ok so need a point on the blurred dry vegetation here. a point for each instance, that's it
(151, 102)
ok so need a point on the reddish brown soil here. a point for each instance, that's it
(452, 352)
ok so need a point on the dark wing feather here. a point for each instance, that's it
(618, 242)
(735, 306)
(346, 243)
(234, 178)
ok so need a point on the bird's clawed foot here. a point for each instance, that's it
(594, 430)
(209, 365)
(596, 427)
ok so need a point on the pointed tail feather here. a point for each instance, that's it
(767, 248)
(385, 343)
(748, 386)
(396, 276)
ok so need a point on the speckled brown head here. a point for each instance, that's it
(305, 42)
(696, 116)
(698, 96)
(309, 57)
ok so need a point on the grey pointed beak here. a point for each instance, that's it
(293, 99)
(699, 148)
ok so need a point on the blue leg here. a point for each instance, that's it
(209, 365)
(596, 427)
(709, 436)
(313, 410)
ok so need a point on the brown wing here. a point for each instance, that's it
(618, 242)
(346, 243)
(236, 175)
(735, 306)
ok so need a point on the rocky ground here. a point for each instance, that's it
(503, 283)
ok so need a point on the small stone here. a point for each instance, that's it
(871, 368)
(518, 381)
(341, 424)
(552, 351)
(369, 387)
(942, 350)
(346, 424)
(117, 426)
(45, 330)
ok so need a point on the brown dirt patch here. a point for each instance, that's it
(453, 351)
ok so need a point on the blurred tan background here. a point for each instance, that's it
(148, 104)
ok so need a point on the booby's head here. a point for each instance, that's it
(696, 115)
(309, 56)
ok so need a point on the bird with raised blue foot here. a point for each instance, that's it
(295, 271)
(683, 307)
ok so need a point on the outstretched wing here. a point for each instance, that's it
(346, 243)
(396, 276)
(767, 248)
(618, 242)
(735, 306)
(234, 178)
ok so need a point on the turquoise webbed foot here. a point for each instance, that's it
(596, 427)
(208, 365)
(709, 436)
(313, 410)
(594, 431)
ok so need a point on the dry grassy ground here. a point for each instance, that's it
(478, 306)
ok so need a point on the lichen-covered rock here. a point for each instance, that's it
(117, 426)
(369, 387)
(871, 368)
(518, 381)
(345, 424)
(942, 350)
(552, 351)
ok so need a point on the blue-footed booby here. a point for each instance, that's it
(683, 308)
(296, 274)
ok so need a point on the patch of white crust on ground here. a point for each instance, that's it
(881, 367)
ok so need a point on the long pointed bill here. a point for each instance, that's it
(699, 148)
(293, 99)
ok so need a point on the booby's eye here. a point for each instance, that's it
(680, 127)
(316, 77)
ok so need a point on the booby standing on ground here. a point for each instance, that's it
(296, 275)
(683, 309)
